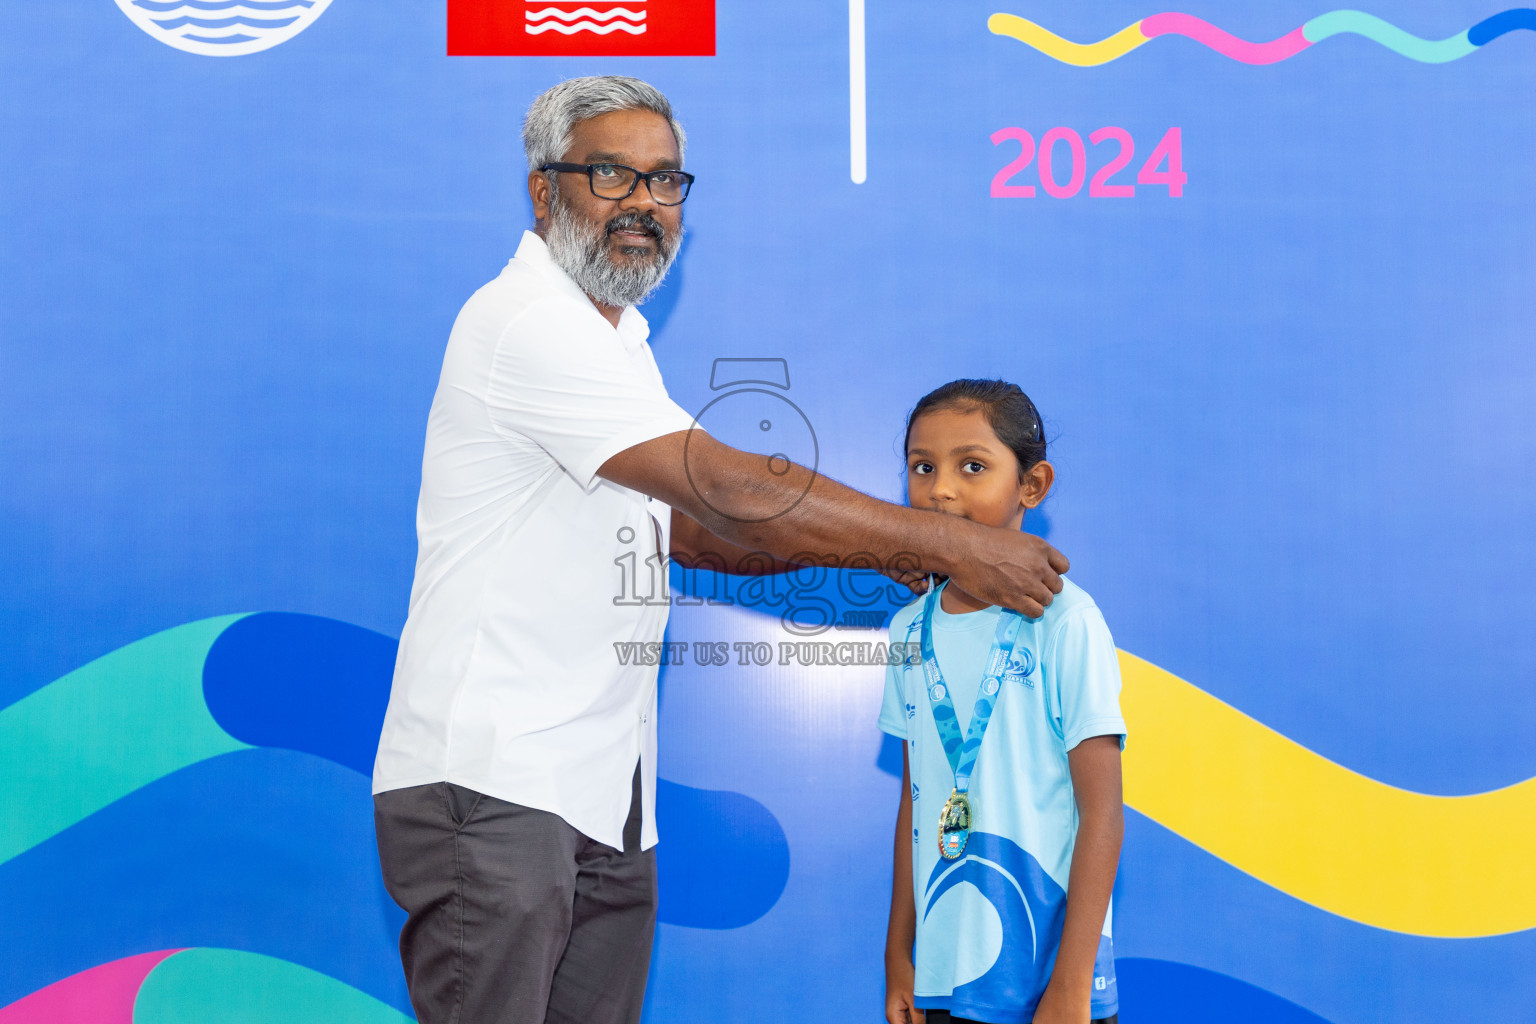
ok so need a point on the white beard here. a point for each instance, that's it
(581, 249)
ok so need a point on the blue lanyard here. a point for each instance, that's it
(962, 754)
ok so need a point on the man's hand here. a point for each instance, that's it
(1009, 568)
(899, 982)
(912, 579)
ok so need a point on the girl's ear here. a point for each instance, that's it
(1036, 484)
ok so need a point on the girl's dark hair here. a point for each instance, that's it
(1010, 413)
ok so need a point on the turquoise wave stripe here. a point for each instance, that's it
(1406, 44)
(104, 730)
(199, 986)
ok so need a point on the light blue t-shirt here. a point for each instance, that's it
(989, 923)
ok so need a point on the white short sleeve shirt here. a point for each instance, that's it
(508, 680)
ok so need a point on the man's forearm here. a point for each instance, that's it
(802, 517)
(694, 547)
(799, 516)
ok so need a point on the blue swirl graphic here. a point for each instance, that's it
(1504, 22)
(177, 863)
(316, 685)
(174, 862)
(1166, 992)
(301, 682)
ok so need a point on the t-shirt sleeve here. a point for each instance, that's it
(1086, 678)
(562, 378)
(893, 709)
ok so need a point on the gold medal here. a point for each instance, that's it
(954, 825)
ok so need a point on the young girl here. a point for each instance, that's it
(1011, 773)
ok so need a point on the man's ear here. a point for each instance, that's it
(1036, 484)
(541, 193)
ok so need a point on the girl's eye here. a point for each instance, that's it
(921, 468)
(972, 466)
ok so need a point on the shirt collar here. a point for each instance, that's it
(633, 328)
(961, 621)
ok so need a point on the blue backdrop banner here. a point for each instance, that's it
(1265, 268)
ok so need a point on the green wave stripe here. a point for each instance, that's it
(228, 986)
(1406, 44)
(104, 730)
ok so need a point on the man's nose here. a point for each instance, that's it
(640, 200)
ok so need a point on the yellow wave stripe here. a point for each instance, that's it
(1084, 55)
(1447, 866)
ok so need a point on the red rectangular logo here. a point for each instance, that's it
(581, 28)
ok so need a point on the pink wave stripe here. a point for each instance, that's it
(1225, 43)
(101, 995)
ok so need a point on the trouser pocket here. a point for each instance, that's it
(460, 802)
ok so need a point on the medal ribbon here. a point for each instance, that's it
(962, 753)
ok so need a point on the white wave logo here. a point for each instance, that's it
(539, 19)
(223, 28)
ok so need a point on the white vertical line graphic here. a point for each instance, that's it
(858, 155)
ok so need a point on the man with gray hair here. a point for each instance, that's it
(515, 782)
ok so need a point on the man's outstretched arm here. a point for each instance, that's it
(694, 547)
(798, 515)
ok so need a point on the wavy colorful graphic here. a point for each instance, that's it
(1428, 51)
(105, 730)
(100, 995)
(1447, 866)
(221, 691)
(1166, 992)
(230, 986)
(270, 851)
(198, 692)
(193, 986)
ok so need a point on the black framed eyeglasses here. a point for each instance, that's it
(616, 181)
